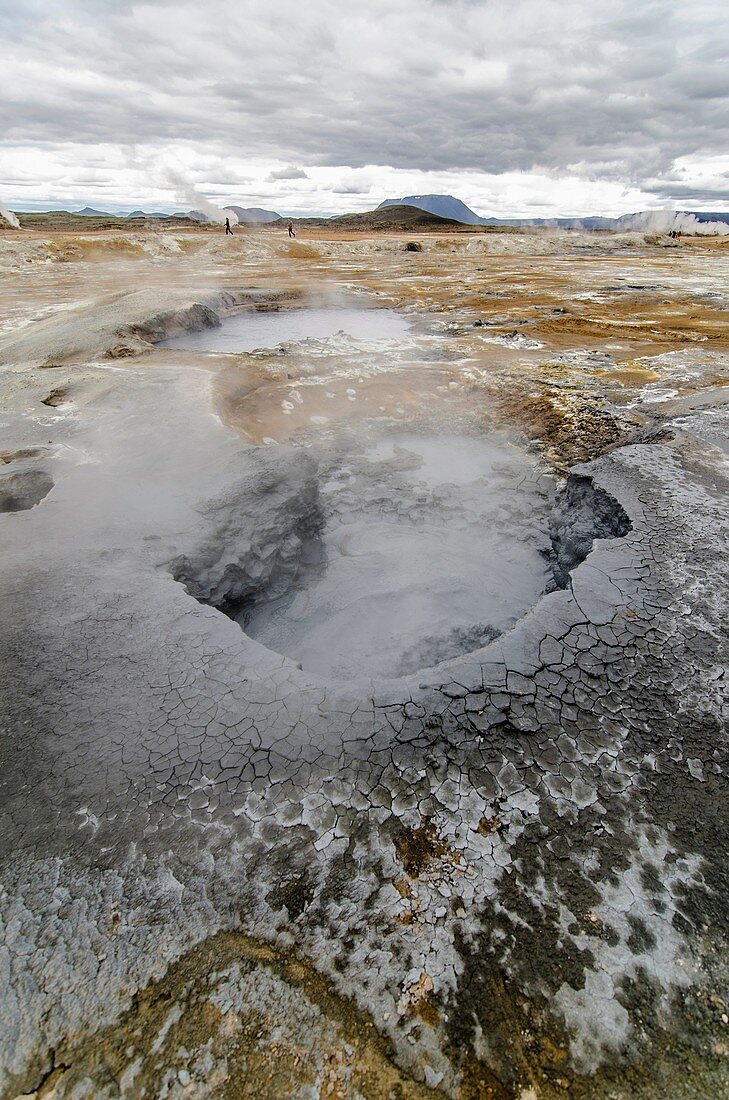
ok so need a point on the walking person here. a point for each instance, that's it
(291, 229)
(227, 227)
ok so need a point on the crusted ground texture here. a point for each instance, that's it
(502, 876)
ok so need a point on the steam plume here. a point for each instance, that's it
(663, 221)
(188, 194)
(9, 217)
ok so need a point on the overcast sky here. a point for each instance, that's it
(526, 107)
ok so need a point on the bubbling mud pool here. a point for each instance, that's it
(428, 548)
(387, 552)
(268, 328)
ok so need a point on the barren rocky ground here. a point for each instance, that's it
(492, 866)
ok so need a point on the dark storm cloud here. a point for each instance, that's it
(619, 90)
(676, 192)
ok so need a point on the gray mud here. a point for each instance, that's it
(269, 328)
(430, 547)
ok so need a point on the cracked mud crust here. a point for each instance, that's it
(501, 876)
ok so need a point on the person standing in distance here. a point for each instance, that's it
(291, 229)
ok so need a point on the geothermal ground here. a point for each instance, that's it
(363, 664)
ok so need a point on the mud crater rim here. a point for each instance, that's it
(381, 566)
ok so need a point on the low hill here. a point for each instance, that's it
(395, 218)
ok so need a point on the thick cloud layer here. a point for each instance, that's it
(613, 91)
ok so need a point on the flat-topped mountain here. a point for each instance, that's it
(444, 206)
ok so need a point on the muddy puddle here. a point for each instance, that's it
(268, 328)
(428, 548)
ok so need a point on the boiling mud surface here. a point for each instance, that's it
(431, 548)
(266, 329)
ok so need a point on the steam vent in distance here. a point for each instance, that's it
(364, 455)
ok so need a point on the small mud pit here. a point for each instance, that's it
(428, 549)
(23, 490)
(269, 328)
(55, 398)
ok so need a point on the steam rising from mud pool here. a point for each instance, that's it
(410, 549)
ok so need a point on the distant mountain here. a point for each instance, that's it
(89, 212)
(254, 215)
(194, 215)
(444, 206)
